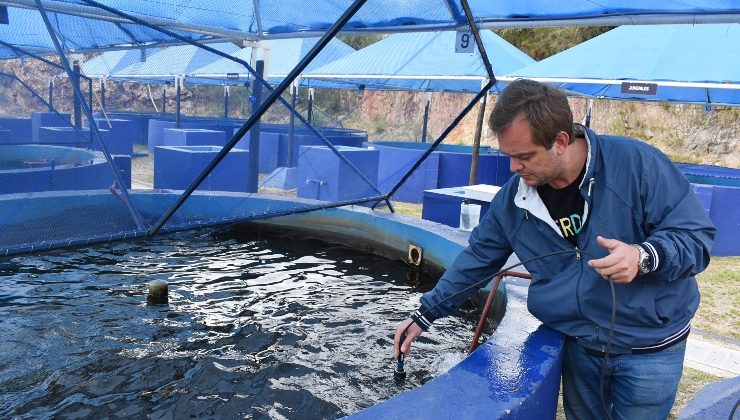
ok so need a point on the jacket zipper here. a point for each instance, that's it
(590, 186)
(578, 283)
(578, 256)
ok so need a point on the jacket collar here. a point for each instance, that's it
(528, 199)
(593, 146)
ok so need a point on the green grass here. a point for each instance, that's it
(142, 168)
(407, 209)
(719, 311)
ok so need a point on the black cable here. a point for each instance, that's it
(491, 277)
(578, 253)
(609, 339)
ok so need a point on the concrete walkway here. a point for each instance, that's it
(718, 356)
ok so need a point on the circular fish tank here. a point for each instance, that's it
(515, 373)
(35, 168)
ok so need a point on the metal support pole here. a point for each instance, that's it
(476, 142)
(309, 116)
(178, 87)
(589, 106)
(226, 102)
(102, 94)
(425, 122)
(291, 125)
(90, 93)
(254, 135)
(93, 125)
(76, 100)
(164, 99)
(51, 94)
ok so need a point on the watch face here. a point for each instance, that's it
(645, 263)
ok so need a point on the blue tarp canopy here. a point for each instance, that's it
(281, 57)
(171, 62)
(422, 61)
(673, 63)
(111, 62)
(239, 19)
(26, 30)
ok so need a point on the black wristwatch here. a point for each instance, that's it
(645, 263)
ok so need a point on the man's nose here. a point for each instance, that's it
(515, 165)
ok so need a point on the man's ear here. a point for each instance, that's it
(562, 140)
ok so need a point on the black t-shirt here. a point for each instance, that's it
(565, 206)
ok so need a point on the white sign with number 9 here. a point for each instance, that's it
(464, 42)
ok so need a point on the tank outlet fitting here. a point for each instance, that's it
(415, 255)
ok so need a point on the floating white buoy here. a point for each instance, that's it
(158, 293)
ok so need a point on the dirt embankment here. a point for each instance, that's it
(686, 133)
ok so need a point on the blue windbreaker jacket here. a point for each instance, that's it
(634, 194)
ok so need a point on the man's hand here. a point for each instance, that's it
(406, 332)
(621, 263)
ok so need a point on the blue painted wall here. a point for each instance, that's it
(139, 122)
(448, 166)
(69, 136)
(176, 167)
(121, 135)
(725, 213)
(393, 164)
(192, 137)
(443, 205)
(710, 174)
(323, 175)
(48, 119)
(20, 129)
(155, 136)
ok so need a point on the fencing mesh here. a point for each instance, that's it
(155, 138)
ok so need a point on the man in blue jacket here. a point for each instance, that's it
(616, 198)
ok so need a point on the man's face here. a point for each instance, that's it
(535, 164)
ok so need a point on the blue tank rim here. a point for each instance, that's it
(81, 156)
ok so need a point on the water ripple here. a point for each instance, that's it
(273, 327)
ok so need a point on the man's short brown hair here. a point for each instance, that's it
(545, 108)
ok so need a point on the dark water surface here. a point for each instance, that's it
(257, 327)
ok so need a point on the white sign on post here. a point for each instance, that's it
(465, 43)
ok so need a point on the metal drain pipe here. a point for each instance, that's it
(489, 302)
(415, 255)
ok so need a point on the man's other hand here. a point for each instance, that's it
(620, 265)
